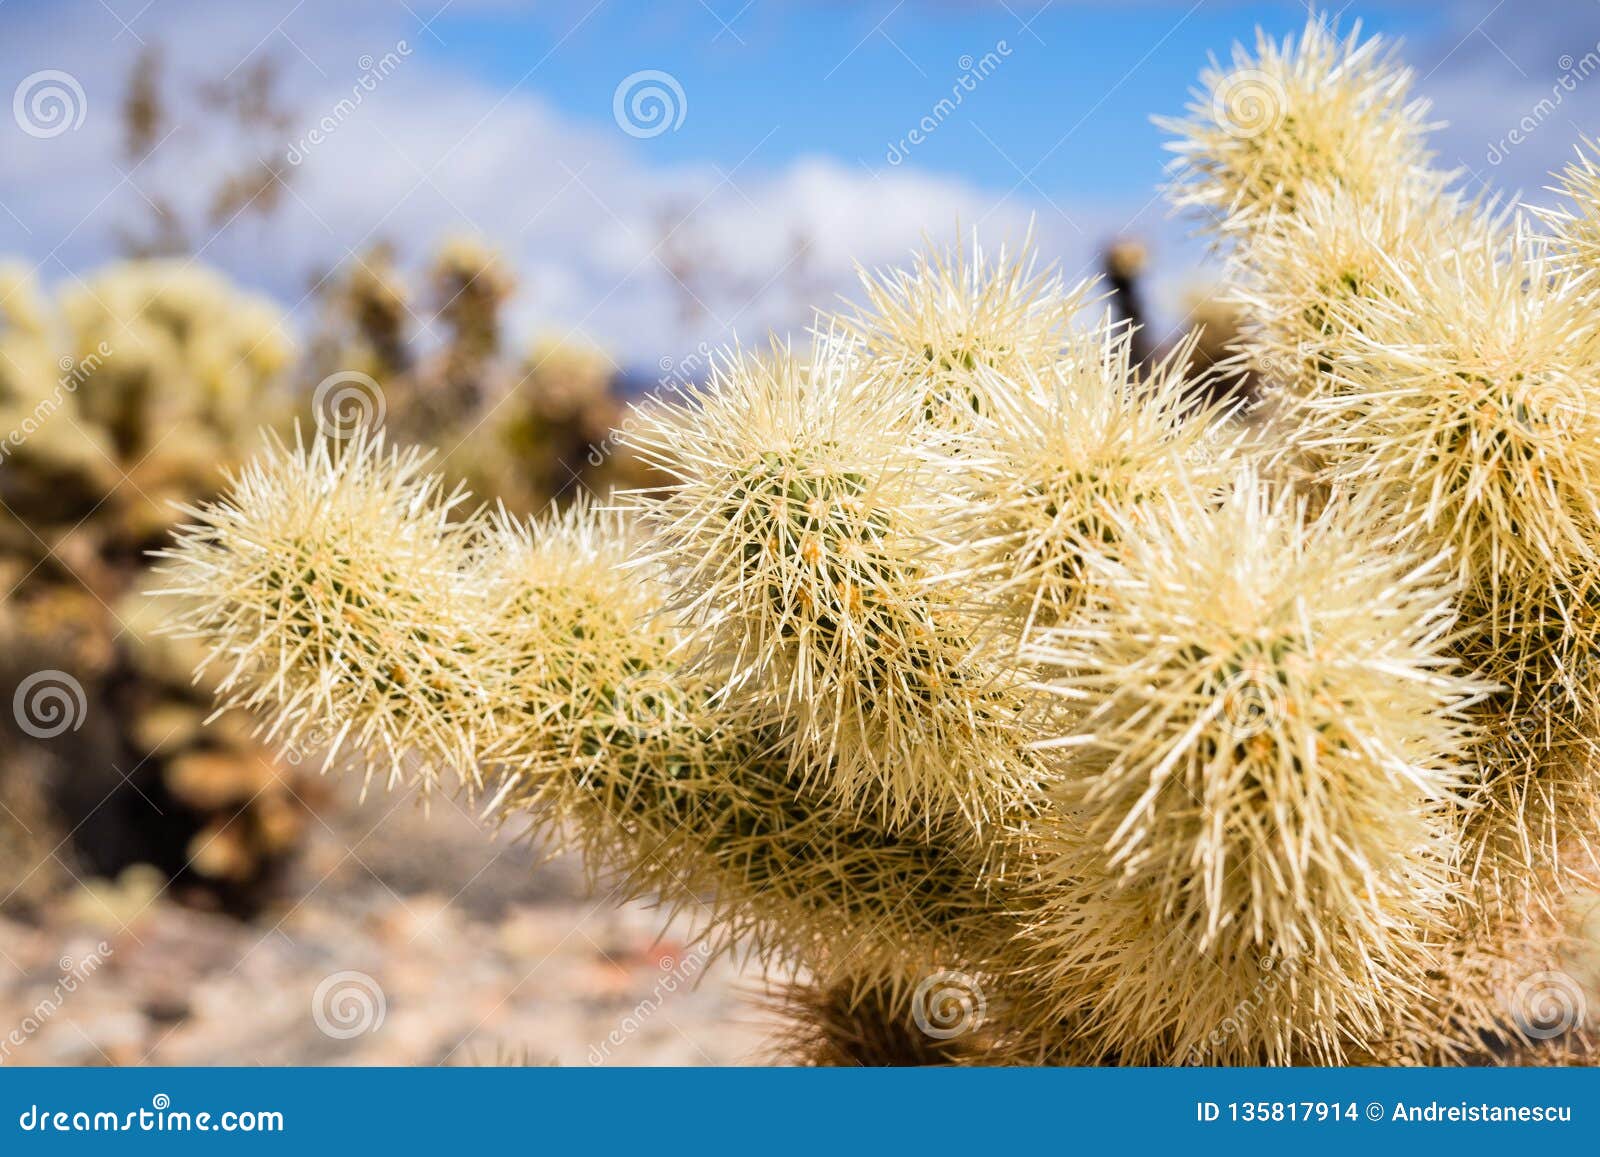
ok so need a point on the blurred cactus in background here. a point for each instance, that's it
(366, 318)
(526, 427)
(120, 398)
(469, 284)
(1005, 690)
(1209, 333)
(554, 431)
(126, 394)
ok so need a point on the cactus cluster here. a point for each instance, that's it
(527, 423)
(1028, 704)
(120, 395)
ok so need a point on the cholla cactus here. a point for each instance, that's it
(1314, 110)
(966, 644)
(34, 387)
(1485, 444)
(1070, 453)
(367, 316)
(1296, 280)
(529, 425)
(1256, 829)
(528, 652)
(470, 285)
(342, 601)
(851, 1022)
(550, 435)
(795, 531)
(931, 328)
(194, 365)
(117, 398)
(1575, 228)
(1437, 356)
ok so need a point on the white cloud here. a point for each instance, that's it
(1507, 79)
(579, 207)
(576, 207)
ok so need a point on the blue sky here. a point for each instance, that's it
(847, 79)
(498, 120)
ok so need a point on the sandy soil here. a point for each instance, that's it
(402, 939)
